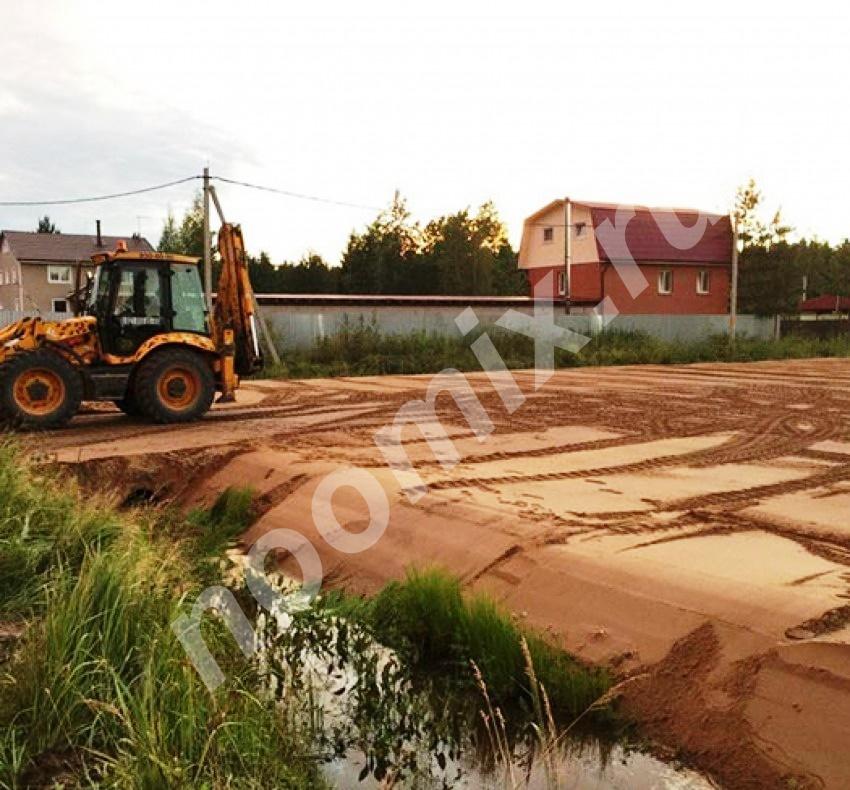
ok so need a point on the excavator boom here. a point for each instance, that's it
(234, 304)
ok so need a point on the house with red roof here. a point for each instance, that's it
(827, 304)
(644, 260)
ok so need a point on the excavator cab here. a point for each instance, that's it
(144, 340)
(136, 300)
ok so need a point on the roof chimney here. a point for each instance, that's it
(99, 237)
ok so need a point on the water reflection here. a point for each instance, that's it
(377, 723)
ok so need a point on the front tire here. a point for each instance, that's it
(174, 385)
(39, 389)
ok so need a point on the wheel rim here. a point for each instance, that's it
(39, 392)
(178, 388)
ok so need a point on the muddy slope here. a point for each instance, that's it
(686, 526)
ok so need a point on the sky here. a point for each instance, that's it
(451, 103)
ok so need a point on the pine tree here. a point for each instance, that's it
(46, 226)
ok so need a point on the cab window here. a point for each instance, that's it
(137, 310)
(138, 300)
(187, 299)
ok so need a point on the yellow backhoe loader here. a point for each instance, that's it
(144, 339)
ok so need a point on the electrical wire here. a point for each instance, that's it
(299, 195)
(143, 190)
(67, 201)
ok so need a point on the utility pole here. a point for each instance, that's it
(568, 252)
(733, 294)
(207, 242)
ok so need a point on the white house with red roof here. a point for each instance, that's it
(645, 260)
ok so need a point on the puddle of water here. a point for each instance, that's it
(577, 768)
(377, 724)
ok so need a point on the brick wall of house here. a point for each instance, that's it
(592, 282)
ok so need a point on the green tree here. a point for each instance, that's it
(838, 278)
(752, 228)
(470, 254)
(310, 275)
(378, 260)
(769, 281)
(263, 274)
(46, 226)
(187, 238)
(169, 239)
(770, 275)
(508, 278)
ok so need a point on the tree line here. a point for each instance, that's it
(469, 253)
(775, 274)
(462, 253)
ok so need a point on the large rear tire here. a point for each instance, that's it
(39, 389)
(174, 385)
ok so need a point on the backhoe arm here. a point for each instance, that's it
(234, 325)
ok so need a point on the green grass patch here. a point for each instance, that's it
(360, 349)
(429, 621)
(99, 690)
(45, 527)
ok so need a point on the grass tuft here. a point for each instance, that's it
(230, 515)
(427, 619)
(99, 690)
(45, 525)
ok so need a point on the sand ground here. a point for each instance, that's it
(688, 526)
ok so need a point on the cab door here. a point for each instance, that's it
(188, 306)
(138, 310)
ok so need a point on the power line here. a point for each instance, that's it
(143, 190)
(299, 195)
(96, 197)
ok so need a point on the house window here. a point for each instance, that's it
(60, 306)
(665, 281)
(548, 235)
(580, 227)
(59, 274)
(562, 288)
(703, 281)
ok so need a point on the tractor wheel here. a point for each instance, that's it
(39, 389)
(174, 385)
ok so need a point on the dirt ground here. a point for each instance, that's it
(687, 526)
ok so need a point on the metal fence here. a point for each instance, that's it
(10, 316)
(823, 328)
(301, 326)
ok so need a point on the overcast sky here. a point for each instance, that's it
(451, 103)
